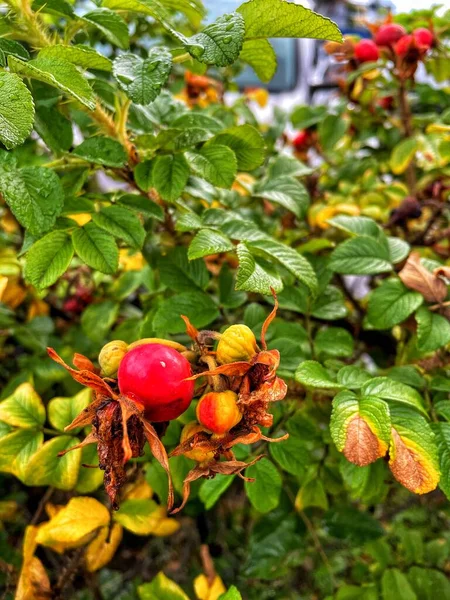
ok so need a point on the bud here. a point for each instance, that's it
(198, 454)
(236, 343)
(218, 411)
(111, 356)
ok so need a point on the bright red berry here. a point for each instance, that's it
(367, 51)
(424, 37)
(388, 34)
(301, 140)
(155, 376)
(404, 45)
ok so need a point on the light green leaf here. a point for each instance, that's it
(429, 584)
(197, 306)
(277, 18)
(16, 110)
(433, 331)
(331, 130)
(247, 144)
(138, 515)
(62, 411)
(356, 225)
(361, 256)
(17, 448)
(54, 128)
(143, 79)
(403, 154)
(97, 319)
(161, 588)
(389, 389)
(89, 478)
(312, 493)
(47, 468)
(395, 586)
(102, 151)
(264, 492)
(285, 191)
(212, 489)
(48, 259)
(23, 408)
(442, 433)
(35, 196)
(294, 262)
(208, 241)
(58, 73)
(352, 377)
(215, 163)
(311, 374)
(96, 248)
(220, 42)
(232, 594)
(170, 175)
(152, 8)
(391, 303)
(113, 27)
(260, 55)
(14, 48)
(121, 223)
(398, 249)
(292, 455)
(83, 56)
(252, 277)
(334, 341)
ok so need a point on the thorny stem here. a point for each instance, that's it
(405, 113)
(33, 24)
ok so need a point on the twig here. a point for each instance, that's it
(405, 113)
(318, 545)
(207, 563)
(45, 498)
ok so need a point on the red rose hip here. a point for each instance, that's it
(154, 375)
(301, 140)
(367, 51)
(424, 37)
(388, 34)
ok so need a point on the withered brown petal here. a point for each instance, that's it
(83, 363)
(269, 320)
(85, 377)
(128, 408)
(270, 358)
(416, 277)
(275, 440)
(159, 452)
(362, 446)
(193, 475)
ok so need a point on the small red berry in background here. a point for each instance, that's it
(389, 34)
(406, 45)
(424, 37)
(154, 375)
(367, 51)
(301, 140)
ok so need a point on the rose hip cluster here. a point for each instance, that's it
(142, 386)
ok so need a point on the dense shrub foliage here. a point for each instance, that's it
(300, 280)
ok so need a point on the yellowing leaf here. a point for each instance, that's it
(205, 591)
(139, 490)
(23, 408)
(161, 588)
(403, 154)
(101, 550)
(33, 582)
(62, 411)
(47, 468)
(17, 448)
(145, 517)
(74, 524)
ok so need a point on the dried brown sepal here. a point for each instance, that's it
(159, 452)
(91, 438)
(87, 415)
(416, 277)
(190, 329)
(84, 376)
(269, 320)
(83, 363)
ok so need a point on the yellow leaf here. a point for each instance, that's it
(145, 517)
(140, 490)
(101, 550)
(73, 525)
(204, 591)
(33, 582)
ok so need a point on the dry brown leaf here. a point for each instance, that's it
(416, 277)
(362, 447)
(410, 468)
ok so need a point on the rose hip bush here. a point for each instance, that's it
(225, 348)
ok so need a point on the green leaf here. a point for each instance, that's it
(192, 9)
(180, 274)
(292, 455)
(176, 139)
(429, 584)
(197, 120)
(229, 297)
(247, 144)
(121, 223)
(215, 163)
(389, 389)
(62, 411)
(212, 489)
(197, 306)
(35, 196)
(352, 377)
(142, 205)
(361, 256)
(143, 175)
(360, 428)
(47, 468)
(331, 130)
(14, 48)
(395, 586)
(252, 277)
(334, 341)
(294, 262)
(311, 374)
(161, 588)
(16, 110)
(356, 225)
(220, 42)
(433, 331)
(113, 27)
(285, 191)
(23, 408)
(83, 56)
(58, 73)
(17, 448)
(392, 303)
(54, 7)
(312, 493)
(54, 129)
(329, 304)
(403, 154)
(97, 319)
(136, 515)
(276, 18)
(170, 175)
(96, 248)
(442, 433)
(102, 151)
(89, 478)
(143, 79)
(350, 524)
(260, 55)
(264, 492)
(232, 594)
(48, 259)
(398, 249)
(208, 241)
